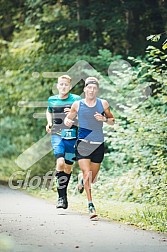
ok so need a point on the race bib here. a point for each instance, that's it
(69, 133)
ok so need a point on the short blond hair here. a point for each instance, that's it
(65, 76)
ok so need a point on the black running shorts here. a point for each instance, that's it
(92, 151)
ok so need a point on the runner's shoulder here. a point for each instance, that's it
(105, 103)
(53, 97)
(74, 97)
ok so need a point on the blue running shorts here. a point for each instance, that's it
(64, 148)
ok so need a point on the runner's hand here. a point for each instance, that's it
(67, 110)
(99, 117)
(68, 122)
(48, 127)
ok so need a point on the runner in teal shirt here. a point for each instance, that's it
(63, 138)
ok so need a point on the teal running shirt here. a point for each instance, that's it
(56, 106)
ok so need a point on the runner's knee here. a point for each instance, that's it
(87, 176)
(60, 164)
(67, 170)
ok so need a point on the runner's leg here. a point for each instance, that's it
(59, 150)
(85, 166)
(95, 169)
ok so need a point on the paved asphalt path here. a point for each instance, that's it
(28, 224)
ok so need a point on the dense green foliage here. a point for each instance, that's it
(51, 36)
(85, 26)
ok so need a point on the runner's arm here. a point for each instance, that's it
(109, 118)
(49, 121)
(68, 121)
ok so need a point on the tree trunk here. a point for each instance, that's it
(142, 19)
(82, 15)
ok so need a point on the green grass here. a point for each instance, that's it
(144, 216)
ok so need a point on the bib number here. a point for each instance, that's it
(68, 133)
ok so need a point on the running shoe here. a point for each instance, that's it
(92, 211)
(62, 202)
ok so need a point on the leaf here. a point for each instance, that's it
(154, 38)
(150, 37)
(164, 47)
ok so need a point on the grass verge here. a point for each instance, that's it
(143, 216)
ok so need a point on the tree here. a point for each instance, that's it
(142, 18)
(11, 16)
